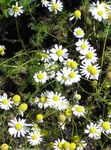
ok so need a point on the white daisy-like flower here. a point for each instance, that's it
(55, 6)
(89, 56)
(82, 46)
(78, 32)
(90, 71)
(76, 14)
(18, 127)
(35, 138)
(93, 131)
(78, 110)
(16, 10)
(42, 100)
(67, 76)
(58, 144)
(45, 56)
(2, 50)
(70, 63)
(54, 100)
(40, 77)
(58, 53)
(44, 3)
(5, 102)
(98, 11)
(105, 126)
(81, 145)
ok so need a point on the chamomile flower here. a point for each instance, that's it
(44, 3)
(81, 145)
(55, 100)
(82, 46)
(42, 101)
(70, 63)
(22, 108)
(78, 33)
(2, 50)
(16, 10)
(58, 144)
(93, 131)
(105, 126)
(90, 71)
(55, 6)
(39, 118)
(5, 102)
(58, 53)
(67, 76)
(4, 146)
(61, 121)
(45, 56)
(18, 127)
(98, 11)
(89, 56)
(78, 110)
(35, 138)
(76, 14)
(16, 99)
(40, 77)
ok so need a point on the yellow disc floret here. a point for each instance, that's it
(34, 137)
(59, 52)
(77, 14)
(4, 146)
(100, 12)
(43, 99)
(55, 98)
(83, 46)
(39, 117)
(55, 6)
(106, 125)
(23, 107)
(72, 74)
(92, 130)
(89, 55)
(16, 9)
(16, 99)
(79, 108)
(19, 126)
(40, 76)
(5, 101)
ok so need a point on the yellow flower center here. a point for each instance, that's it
(19, 126)
(39, 117)
(89, 55)
(92, 70)
(40, 76)
(55, 98)
(1, 49)
(79, 108)
(60, 144)
(53, 67)
(72, 74)
(68, 112)
(23, 107)
(4, 146)
(100, 12)
(35, 126)
(5, 101)
(34, 137)
(106, 125)
(55, 6)
(43, 99)
(59, 52)
(16, 99)
(92, 130)
(79, 32)
(77, 14)
(16, 9)
(72, 146)
(83, 46)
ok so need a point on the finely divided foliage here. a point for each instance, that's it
(55, 75)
